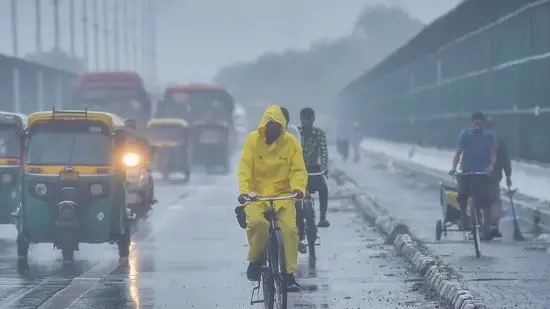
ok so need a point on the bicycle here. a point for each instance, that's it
(475, 212)
(272, 279)
(308, 210)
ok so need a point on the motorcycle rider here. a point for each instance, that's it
(314, 144)
(133, 137)
(271, 164)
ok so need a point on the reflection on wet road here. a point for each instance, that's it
(192, 254)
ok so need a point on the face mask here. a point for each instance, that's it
(272, 132)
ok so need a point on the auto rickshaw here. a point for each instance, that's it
(73, 183)
(209, 110)
(171, 137)
(12, 128)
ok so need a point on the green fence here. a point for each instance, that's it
(502, 69)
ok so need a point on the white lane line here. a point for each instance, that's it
(85, 282)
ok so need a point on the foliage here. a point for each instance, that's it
(314, 76)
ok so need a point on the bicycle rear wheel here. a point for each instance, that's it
(476, 231)
(311, 228)
(281, 293)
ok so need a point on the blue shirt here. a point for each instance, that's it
(476, 150)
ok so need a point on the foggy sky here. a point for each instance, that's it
(196, 37)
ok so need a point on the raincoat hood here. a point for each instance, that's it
(273, 112)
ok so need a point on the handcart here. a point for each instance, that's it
(451, 212)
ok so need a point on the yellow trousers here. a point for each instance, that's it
(257, 231)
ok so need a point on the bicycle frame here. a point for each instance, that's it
(271, 274)
(474, 212)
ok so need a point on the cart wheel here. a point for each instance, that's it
(438, 230)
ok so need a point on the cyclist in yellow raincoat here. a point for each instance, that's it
(272, 164)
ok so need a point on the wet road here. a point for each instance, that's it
(192, 253)
(509, 274)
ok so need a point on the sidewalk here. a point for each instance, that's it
(532, 199)
(508, 275)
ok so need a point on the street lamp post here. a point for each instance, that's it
(106, 34)
(72, 28)
(125, 37)
(14, 30)
(116, 30)
(85, 32)
(96, 34)
(38, 24)
(56, 24)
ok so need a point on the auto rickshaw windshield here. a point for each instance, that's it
(165, 132)
(10, 142)
(70, 144)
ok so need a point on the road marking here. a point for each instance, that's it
(81, 285)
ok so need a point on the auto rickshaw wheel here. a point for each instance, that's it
(124, 244)
(22, 247)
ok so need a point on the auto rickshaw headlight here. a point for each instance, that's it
(41, 189)
(131, 159)
(6, 178)
(96, 189)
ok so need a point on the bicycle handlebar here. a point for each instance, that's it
(270, 199)
(317, 174)
(470, 173)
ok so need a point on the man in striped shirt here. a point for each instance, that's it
(314, 145)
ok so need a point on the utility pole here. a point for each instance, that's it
(72, 28)
(135, 45)
(38, 29)
(96, 34)
(56, 25)
(106, 34)
(14, 31)
(144, 28)
(116, 30)
(85, 33)
(125, 37)
(153, 43)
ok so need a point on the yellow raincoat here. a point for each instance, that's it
(272, 170)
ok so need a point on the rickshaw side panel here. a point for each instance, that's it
(10, 195)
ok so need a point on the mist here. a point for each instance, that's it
(196, 38)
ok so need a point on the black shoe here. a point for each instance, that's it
(323, 223)
(291, 284)
(497, 233)
(254, 271)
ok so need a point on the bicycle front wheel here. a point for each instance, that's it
(281, 293)
(476, 231)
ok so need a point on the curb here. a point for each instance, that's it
(528, 209)
(439, 277)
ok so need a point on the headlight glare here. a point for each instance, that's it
(131, 159)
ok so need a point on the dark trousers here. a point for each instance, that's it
(476, 187)
(314, 184)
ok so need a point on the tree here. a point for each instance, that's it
(315, 76)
